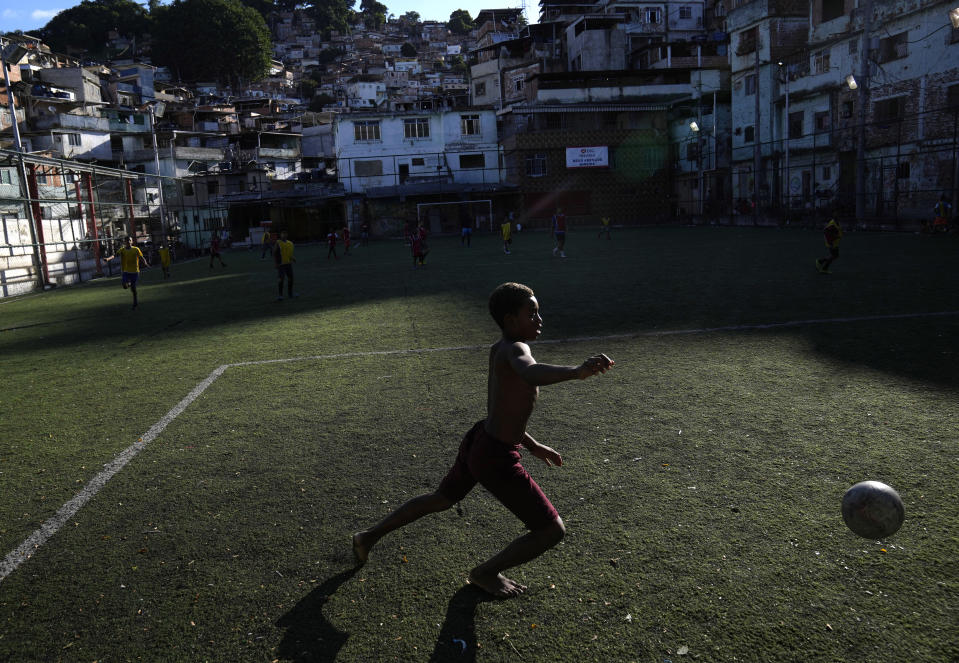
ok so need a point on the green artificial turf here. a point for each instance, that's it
(700, 488)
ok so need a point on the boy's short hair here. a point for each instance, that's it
(508, 298)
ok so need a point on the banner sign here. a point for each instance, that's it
(596, 156)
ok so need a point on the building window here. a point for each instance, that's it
(748, 41)
(749, 134)
(902, 170)
(188, 188)
(889, 110)
(369, 130)
(847, 107)
(418, 161)
(822, 120)
(685, 12)
(472, 161)
(72, 139)
(416, 127)
(6, 177)
(750, 85)
(821, 61)
(952, 97)
(795, 124)
(368, 168)
(832, 9)
(652, 15)
(692, 151)
(212, 187)
(470, 125)
(894, 47)
(826, 173)
(536, 165)
(479, 89)
(518, 84)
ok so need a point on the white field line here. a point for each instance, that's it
(52, 525)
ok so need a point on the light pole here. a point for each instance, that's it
(787, 189)
(156, 164)
(12, 54)
(863, 101)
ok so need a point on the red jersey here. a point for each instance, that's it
(559, 223)
(331, 239)
(346, 235)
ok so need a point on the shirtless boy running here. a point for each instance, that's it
(489, 454)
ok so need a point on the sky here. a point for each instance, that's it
(34, 14)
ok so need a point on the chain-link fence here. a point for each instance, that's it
(61, 221)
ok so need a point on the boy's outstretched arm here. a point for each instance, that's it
(521, 361)
(546, 454)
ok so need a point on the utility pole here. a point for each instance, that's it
(757, 146)
(12, 54)
(156, 164)
(863, 102)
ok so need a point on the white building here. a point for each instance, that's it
(375, 151)
(365, 93)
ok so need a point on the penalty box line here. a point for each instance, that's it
(52, 525)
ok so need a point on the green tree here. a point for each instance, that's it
(319, 101)
(264, 7)
(86, 27)
(219, 40)
(460, 23)
(373, 12)
(331, 15)
(458, 64)
(408, 50)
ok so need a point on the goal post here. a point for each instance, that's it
(469, 207)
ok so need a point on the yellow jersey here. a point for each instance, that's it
(507, 230)
(285, 247)
(130, 259)
(164, 257)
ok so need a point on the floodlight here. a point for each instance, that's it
(694, 125)
(954, 17)
(851, 82)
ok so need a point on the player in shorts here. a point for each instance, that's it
(283, 256)
(490, 452)
(559, 232)
(130, 259)
(832, 233)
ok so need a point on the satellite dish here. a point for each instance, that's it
(51, 109)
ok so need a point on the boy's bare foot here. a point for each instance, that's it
(361, 551)
(499, 585)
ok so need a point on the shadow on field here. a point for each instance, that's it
(457, 638)
(309, 636)
(647, 280)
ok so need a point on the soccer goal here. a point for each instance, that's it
(438, 217)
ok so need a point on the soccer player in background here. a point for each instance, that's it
(130, 258)
(507, 231)
(164, 253)
(832, 233)
(215, 250)
(283, 256)
(559, 232)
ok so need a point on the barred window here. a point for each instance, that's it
(470, 125)
(366, 130)
(416, 127)
(536, 165)
(822, 61)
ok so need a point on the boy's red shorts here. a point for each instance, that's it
(496, 465)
